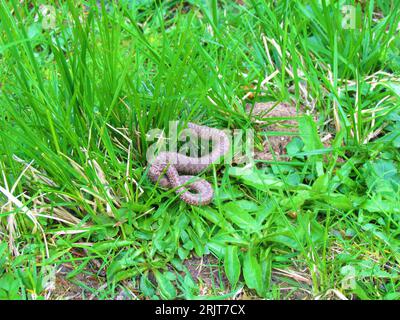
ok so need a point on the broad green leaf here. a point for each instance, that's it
(239, 216)
(266, 266)
(226, 238)
(146, 286)
(232, 265)
(256, 178)
(217, 248)
(252, 273)
(392, 296)
(126, 259)
(197, 244)
(377, 204)
(337, 200)
(296, 201)
(247, 205)
(230, 193)
(214, 216)
(394, 86)
(167, 289)
(320, 185)
(107, 245)
(294, 146)
(309, 134)
(286, 238)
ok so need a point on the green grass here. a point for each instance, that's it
(76, 103)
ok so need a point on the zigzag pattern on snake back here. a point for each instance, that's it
(166, 167)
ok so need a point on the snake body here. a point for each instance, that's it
(167, 167)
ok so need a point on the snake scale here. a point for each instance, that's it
(167, 167)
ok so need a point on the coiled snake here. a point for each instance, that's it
(166, 167)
